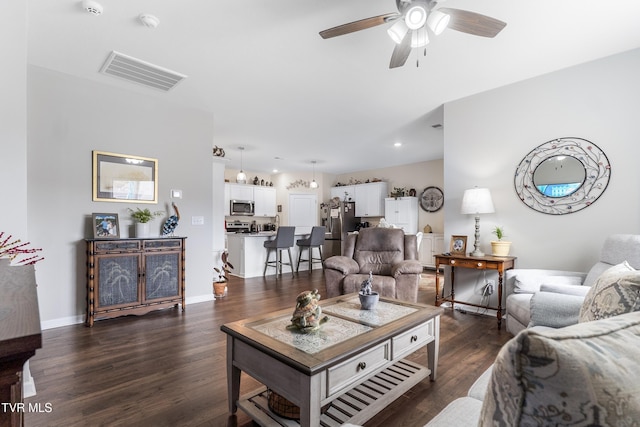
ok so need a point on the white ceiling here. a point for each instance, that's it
(277, 88)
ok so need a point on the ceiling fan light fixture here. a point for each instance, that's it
(416, 17)
(397, 31)
(419, 39)
(438, 21)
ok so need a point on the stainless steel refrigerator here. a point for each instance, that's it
(339, 219)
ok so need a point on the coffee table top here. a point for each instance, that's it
(349, 330)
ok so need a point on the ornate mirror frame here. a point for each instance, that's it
(597, 175)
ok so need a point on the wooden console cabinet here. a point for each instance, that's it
(134, 276)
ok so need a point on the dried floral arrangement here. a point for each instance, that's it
(16, 249)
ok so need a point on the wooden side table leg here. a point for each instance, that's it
(438, 288)
(453, 292)
(233, 378)
(500, 299)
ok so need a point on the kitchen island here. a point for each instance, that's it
(247, 253)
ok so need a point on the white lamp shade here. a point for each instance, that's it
(416, 17)
(313, 184)
(397, 31)
(419, 39)
(477, 201)
(241, 178)
(438, 21)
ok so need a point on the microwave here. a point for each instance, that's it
(241, 207)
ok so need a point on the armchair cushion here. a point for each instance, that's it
(406, 267)
(584, 374)
(343, 264)
(616, 291)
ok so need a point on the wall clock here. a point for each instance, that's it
(431, 199)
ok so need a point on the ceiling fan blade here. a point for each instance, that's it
(473, 23)
(362, 24)
(401, 52)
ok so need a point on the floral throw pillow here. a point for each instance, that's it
(615, 292)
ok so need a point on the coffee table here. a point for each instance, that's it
(348, 371)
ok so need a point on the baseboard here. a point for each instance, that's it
(76, 320)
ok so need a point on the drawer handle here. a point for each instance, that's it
(453, 261)
(362, 366)
(414, 338)
(479, 264)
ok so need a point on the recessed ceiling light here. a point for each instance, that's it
(397, 144)
(275, 171)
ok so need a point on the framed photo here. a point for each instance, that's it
(105, 226)
(458, 245)
(124, 178)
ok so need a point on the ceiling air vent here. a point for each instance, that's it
(141, 72)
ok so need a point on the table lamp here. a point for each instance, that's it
(477, 201)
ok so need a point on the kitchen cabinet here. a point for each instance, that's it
(370, 199)
(402, 212)
(432, 245)
(240, 191)
(134, 276)
(265, 201)
(344, 192)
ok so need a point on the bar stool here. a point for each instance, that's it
(315, 240)
(283, 240)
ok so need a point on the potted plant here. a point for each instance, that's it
(368, 298)
(500, 247)
(220, 282)
(142, 217)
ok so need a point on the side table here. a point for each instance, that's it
(488, 262)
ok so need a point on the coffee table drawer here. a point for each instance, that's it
(414, 338)
(348, 373)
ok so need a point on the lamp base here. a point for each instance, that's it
(477, 253)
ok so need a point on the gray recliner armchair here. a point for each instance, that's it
(388, 253)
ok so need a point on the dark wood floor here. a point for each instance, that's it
(167, 368)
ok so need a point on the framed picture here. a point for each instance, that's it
(458, 245)
(105, 226)
(124, 178)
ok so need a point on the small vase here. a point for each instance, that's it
(142, 229)
(368, 302)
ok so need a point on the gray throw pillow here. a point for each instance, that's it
(616, 291)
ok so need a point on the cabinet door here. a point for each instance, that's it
(240, 192)
(117, 283)
(162, 272)
(345, 192)
(265, 201)
(370, 199)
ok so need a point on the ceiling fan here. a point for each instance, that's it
(414, 21)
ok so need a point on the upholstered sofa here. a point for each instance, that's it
(388, 253)
(580, 375)
(583, 374)
(557, 295)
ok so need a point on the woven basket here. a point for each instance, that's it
(281, 406)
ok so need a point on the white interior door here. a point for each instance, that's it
(303, 212)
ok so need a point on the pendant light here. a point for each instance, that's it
(314, 184)
(241, 178)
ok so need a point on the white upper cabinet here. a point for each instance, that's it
(370, 199)
(345, 192)
(265, 201)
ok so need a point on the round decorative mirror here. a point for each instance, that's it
(562, 176)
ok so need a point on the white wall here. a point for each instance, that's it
(487, 135)
(70, 117)
(13, 119)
